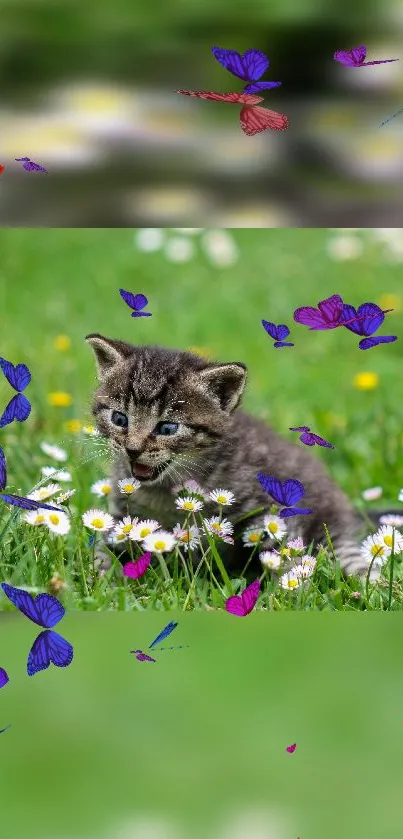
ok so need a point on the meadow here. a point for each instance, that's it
(57, 285)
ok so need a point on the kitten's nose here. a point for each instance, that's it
(133, 453)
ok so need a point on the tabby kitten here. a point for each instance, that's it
(171, 415)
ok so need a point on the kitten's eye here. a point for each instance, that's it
(166, 428)
(119, 419)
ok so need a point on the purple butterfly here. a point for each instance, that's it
(244, 604)
(44, 610)
(278, 333)
(18, 377)
(136, 302)
(356, 57)
(165, 632)
(136, 569)
(309, 438)
(29, 165)
(291, 749)
(369, 318)
(327, 316)
(249, 67)
(287, 494)
(4, 678)
(27, 503)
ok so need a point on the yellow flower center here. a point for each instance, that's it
(159, 546)
(54, 518)
(292, 583)
(39, 519)
(221, 499)
(144, 532)
(128, 487)
(127, 528)
(254, 537)
(120, 536)
(388, 541)
(286, 551)
(186, 537)
(273, 527)
(216, 525)
(97, 523)
(188, 505)
(106, 489)
(377, 550)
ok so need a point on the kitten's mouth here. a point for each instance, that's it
(145, 473)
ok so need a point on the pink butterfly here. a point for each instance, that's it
(244, 604)
(356, 57)
(291, 749)
(139, 567)
(253, 120)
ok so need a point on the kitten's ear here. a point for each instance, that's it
(108, 352)
(224, 381)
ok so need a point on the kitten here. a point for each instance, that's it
(171, 415)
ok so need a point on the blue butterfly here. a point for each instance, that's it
(165, 632)
(17, 500)
(287, 494)
(4, 677)
(44, 610)
(278, 333)
(136, 302)
(18, 377)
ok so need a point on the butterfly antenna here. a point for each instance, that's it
(392, 117)
(180, 647)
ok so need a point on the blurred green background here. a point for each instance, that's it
(88, 91)
(198, 742)
(65, 282)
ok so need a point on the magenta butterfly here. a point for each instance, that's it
(249, 67)
(309, 438)
(138, 567)
(243, 605)
(356, 57)
(287, 494)
(253, 119)
(291, 749)
(137, 302)
(278, 333)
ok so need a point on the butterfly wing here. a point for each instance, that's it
(331, 308)
(321, 442)
(291, 749)
(233, 62)
(250, 595)
(49, 647)
(278, 344)
(18, 377)
(359, 53)
(349, 314)
(4, 678)
(49, 609)
(270, 328)
(384, 61)
(140, 302)
(27, 503)
(272, 486)
(282, 332)
(3, 469)
(236, 98)
(24, 601)
(17, 409)
(254, 120)
(309, 316)
(255, 63)
(255, 87)
(144, 657)
(300, 428)
(345, 57)
(128, 297)
(235, 606)
(165, 632)
(293, 491)
(307, 438)
(294, 511)
(367, 343)
(371, 317)
(139, 567)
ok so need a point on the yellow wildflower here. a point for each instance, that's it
(62, 343)
(366, 381)
(73, 426)
(60, 399)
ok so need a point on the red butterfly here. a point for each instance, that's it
(253, 120)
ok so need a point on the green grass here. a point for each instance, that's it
(56, 282)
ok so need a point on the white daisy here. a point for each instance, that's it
(400, 496)
(178, 249)
(64, 496)
(222, 496)
(188, 537)
(125, 527)
(192, 488)
(270, 559)
(290, 580)
(35, 517)
(345, 247)
(115, 537)
(57, 522)
(59, 475)
(305, 567)
(274, 527)
(296, 544)
(144, 528)
(128, 486)
(222, 529)
(101, 488)
(159, 542)
(97, 520)
(371, 548)
(220, 248)
(149, 239)
(385, 535)
(188, 503)
(54, 451)
(394, 521)
(252, 535)
(44, 492)
(372, 494)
